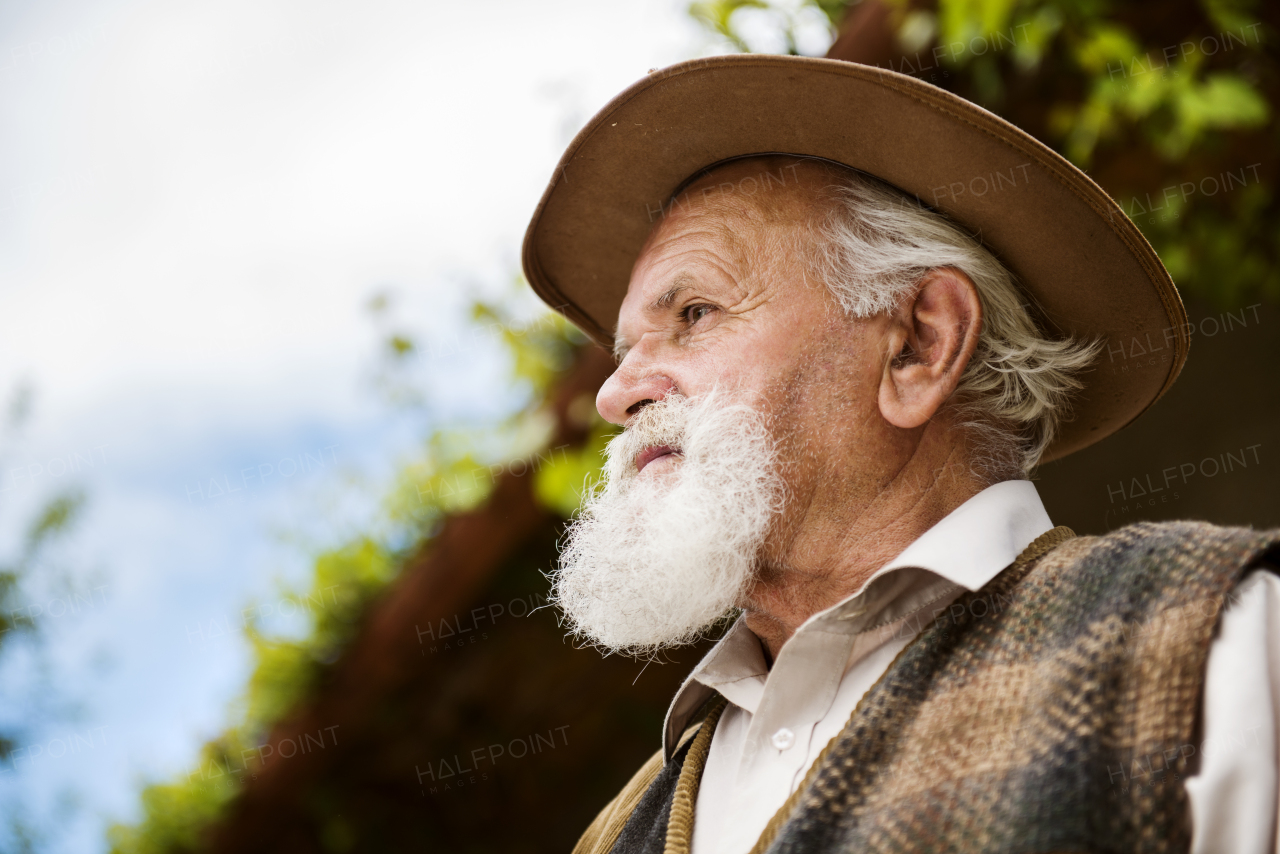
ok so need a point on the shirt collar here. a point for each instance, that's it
(968, 548)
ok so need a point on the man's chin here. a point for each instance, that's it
(638, 592)
(655, 482)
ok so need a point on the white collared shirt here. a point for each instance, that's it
(778, 719)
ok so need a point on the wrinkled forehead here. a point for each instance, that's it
(771, 189)
(748, 209)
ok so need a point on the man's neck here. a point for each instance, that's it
(832, 555)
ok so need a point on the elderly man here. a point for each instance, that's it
(851, 314)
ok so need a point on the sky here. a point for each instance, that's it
(197, 203)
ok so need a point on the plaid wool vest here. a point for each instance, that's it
(1054, 710)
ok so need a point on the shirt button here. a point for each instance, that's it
(783, 738)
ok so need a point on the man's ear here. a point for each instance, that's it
(931, 337)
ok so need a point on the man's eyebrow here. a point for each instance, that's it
(669, 295)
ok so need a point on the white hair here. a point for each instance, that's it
(654, 558)
(873, 248)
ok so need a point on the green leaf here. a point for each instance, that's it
(1225, 100)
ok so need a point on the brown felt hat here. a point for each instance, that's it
(1074, 252)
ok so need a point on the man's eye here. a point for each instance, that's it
(694, 313)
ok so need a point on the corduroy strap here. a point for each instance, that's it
(1041, 545)
(680, 822)
(603, 833)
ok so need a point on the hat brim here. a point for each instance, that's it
(1075, 253)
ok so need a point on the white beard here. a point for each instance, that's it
(656, 558)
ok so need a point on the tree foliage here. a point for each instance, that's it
(449, 476)
(29, 577)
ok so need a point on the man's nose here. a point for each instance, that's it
(626, 392)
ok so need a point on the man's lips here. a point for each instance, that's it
(650, 454)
